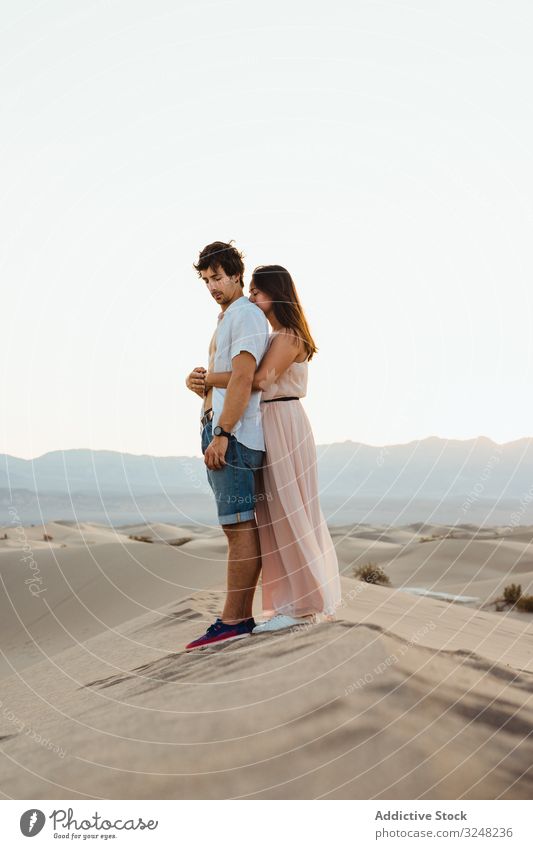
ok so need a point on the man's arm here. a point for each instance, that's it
(235, 401)
(239, 389)
(282, 352)
(249, 339)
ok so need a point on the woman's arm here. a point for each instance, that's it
(220, 379)
(282, 352)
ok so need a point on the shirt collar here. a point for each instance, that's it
(236, 304)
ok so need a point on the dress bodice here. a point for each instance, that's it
(293, 381)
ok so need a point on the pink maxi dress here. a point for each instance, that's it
(300, 572)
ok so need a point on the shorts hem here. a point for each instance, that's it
(235, 518)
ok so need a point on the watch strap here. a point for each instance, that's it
(221, 432)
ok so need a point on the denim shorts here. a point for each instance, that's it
(234, 484)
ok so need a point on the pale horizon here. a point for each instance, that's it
(380, 153)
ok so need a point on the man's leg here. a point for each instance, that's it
(233, 487)
(244, 566)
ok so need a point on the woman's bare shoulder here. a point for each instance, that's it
(289, 334)
(288, 339)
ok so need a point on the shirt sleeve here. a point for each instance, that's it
(249, 332)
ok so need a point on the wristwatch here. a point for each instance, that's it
(218, 431)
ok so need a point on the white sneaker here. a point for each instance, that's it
(279, 622)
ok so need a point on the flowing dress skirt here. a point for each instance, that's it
(300, 573)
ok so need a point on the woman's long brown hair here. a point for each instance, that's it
(276, 282)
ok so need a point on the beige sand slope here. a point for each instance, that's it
(361, 708)
(402, 697)
(90, 580)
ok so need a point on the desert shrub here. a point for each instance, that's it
(371, 573)
(525, 602)
(47, 537)
(512, 593)
(140, 538)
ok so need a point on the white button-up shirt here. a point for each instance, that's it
(244, 327)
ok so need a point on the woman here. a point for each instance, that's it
(300, 574)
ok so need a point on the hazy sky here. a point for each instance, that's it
(381, 151)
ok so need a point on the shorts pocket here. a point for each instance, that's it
(206, 438)
(254, 458)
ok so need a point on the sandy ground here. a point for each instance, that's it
(402, 697)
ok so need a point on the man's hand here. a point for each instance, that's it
(195, 381)
(215, 453)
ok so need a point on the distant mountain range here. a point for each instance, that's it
(473, 481)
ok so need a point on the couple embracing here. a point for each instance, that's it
(260, 453)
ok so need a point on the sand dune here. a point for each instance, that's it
(163, 532)
(467, 565)
(401, 697)
(343, 710)
(61, 534)
(85, 590)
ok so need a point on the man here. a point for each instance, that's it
(232, 433)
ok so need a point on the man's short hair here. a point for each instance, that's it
(221, 254)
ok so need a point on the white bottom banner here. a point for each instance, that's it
(222, 824)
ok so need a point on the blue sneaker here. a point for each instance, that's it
(220, 632)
